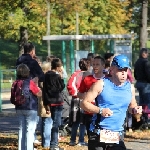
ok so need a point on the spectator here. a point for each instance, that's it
(28, 59)
(52, 96)
(142, 76)
(27, 112)
(76, 114)
(98, 66)
(36, 74)
(44, 113)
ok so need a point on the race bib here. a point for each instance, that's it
(108, 136)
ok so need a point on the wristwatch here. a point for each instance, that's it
(100, 111)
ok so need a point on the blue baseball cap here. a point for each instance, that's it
(121, 61)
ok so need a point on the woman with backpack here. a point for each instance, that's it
(24, 93)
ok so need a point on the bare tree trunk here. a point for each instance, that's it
(143, 30)
(77, 30)
(23, 39)
(23, 30)
(48, 27)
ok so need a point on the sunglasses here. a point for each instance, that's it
(123, 69)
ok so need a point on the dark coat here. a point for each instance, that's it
(35, 69)
(53, 86)
(142, 70)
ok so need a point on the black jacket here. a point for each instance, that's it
(35, 69)
(142, 70)
(53, 85)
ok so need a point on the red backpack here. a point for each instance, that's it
(18, 96)
(70, 87)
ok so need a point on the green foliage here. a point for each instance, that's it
(95, 17)
(28, 14)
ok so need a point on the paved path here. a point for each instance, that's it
(9, 124)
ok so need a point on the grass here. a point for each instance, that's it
(5, 86)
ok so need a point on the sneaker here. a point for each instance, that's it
(37, 143)
(82, 144)
(130, 130)
(72, 144)
(57, 148)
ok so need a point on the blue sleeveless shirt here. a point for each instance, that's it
(117, 99)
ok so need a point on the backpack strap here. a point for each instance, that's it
(26, 88)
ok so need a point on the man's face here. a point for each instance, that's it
(97, 66)
(33, 52)
(119, 74)
(145, 54)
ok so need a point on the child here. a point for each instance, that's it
(44, 113)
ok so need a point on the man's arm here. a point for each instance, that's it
(94, 91)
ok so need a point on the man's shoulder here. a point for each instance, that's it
(26, 59)
(99, 83)
(98, 86)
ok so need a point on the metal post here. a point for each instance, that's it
(72, 61)
(15, 73)
(92, 46)
(77, 30)
(64, 57)
(64, 54)
(112, 45)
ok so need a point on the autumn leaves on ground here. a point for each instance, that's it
(8, 141)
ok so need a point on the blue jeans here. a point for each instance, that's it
(27, 126)
(144, 93)
(47, 123)
(74, 129)
(56, 113)
(38, 127)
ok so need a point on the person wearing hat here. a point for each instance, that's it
(142, 76)
(114, 95)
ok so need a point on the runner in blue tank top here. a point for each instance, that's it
(114, 95)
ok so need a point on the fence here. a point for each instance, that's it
(7, 77)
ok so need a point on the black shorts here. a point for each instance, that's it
(95, 144)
